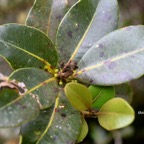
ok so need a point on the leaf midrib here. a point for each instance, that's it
(97, 97)
(49, 20)
(82, 99)
(113, 113)
(110, 60)
(83, 37)
(27, 52)
(28, 92)
(51, 119)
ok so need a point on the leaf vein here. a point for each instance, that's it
(110, 60)
(83, 37)
(51, 119)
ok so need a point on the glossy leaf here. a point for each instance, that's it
(47, 14)
(115, 114)
(79, 96)
(60, 124)
(115, 59)
(24, 46)
(84, 131)
(84, 24)
(101, 95)
(39, 83)
(124, 91)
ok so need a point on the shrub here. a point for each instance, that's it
(70, 61)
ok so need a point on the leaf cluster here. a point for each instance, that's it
(70, 61)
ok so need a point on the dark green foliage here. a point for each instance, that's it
(67, 59)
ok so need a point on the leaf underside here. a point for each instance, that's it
(115, 59)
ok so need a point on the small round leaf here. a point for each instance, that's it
(115, 114)
(79, 96)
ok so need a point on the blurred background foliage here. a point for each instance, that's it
(131, 13)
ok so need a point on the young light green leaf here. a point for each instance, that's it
(42, 86)
(84, 130)
(59, 124)
(25, 46)
(79, 96)
(115, 59)
(47, 14)
(124, 91)
(101, 95)
(115, 114)
(84, 24)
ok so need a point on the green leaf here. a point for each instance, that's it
(16, 104)
(47, 14)
(101, 95)
(39, 83)
(25, 46)
(26, 91)
(84, 130)
(7, 95)
(79, 96)
(124, 91)
(115, 114)
(17, 110)
(115, 59)
(60, 124)
(84, 24)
